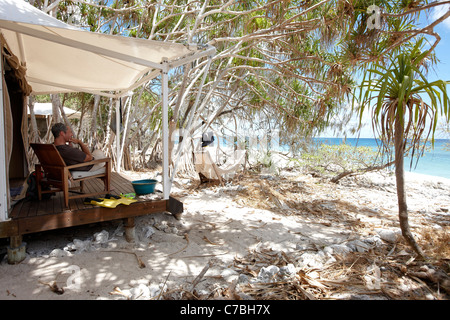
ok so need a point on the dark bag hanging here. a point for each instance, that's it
(32, 190)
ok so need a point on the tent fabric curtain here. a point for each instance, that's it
(7, 118)
(14, 63)
(24, 130)
(11, 62)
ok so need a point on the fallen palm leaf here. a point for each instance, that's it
(306, 293)
(141, 264)
(206, 255)
(210, 242)
(117, 291)
(53, 287)
(187, 244)
(438, 277)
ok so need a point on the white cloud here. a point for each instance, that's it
(439, 11)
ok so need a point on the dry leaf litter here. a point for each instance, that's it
(287, 237)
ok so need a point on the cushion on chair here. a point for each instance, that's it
(84, 174)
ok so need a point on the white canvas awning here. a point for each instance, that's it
(62, 58)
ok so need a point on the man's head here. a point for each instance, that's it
(61, 127)
(58, 128)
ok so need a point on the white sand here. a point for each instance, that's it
(219, 224)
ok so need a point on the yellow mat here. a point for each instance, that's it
(110, 201)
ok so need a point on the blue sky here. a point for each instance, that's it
(440, 71)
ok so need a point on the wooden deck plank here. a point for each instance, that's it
(25, 209)
(44, 207)
(92, 215)
(18, 207)
(120, 186)
(35, 216)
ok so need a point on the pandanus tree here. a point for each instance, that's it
(405, 109)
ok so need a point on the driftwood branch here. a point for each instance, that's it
(202, 274)
(436, 276)
(360, 171)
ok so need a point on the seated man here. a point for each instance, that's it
(71, 155)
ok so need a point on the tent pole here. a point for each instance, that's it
(165, 129)
(118, 157)
(3, 177)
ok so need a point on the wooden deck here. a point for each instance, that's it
(35, 216)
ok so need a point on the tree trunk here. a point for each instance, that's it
(61, 110)
(107, 144)
(55, 108)
(400, 181)
(35, 135)
(93, 127)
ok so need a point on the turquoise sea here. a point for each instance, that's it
(435, 161)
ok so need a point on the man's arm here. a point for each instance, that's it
(84, 148)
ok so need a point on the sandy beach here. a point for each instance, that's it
(260, 236)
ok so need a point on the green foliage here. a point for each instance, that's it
(395, 94)
(332, 160)
(292, 60)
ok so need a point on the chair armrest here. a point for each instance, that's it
(83, 164)
(48, 166)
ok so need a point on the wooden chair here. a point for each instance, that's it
(52, 171)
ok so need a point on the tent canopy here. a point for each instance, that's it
(62, 58)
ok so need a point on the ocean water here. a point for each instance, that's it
(434, 162)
